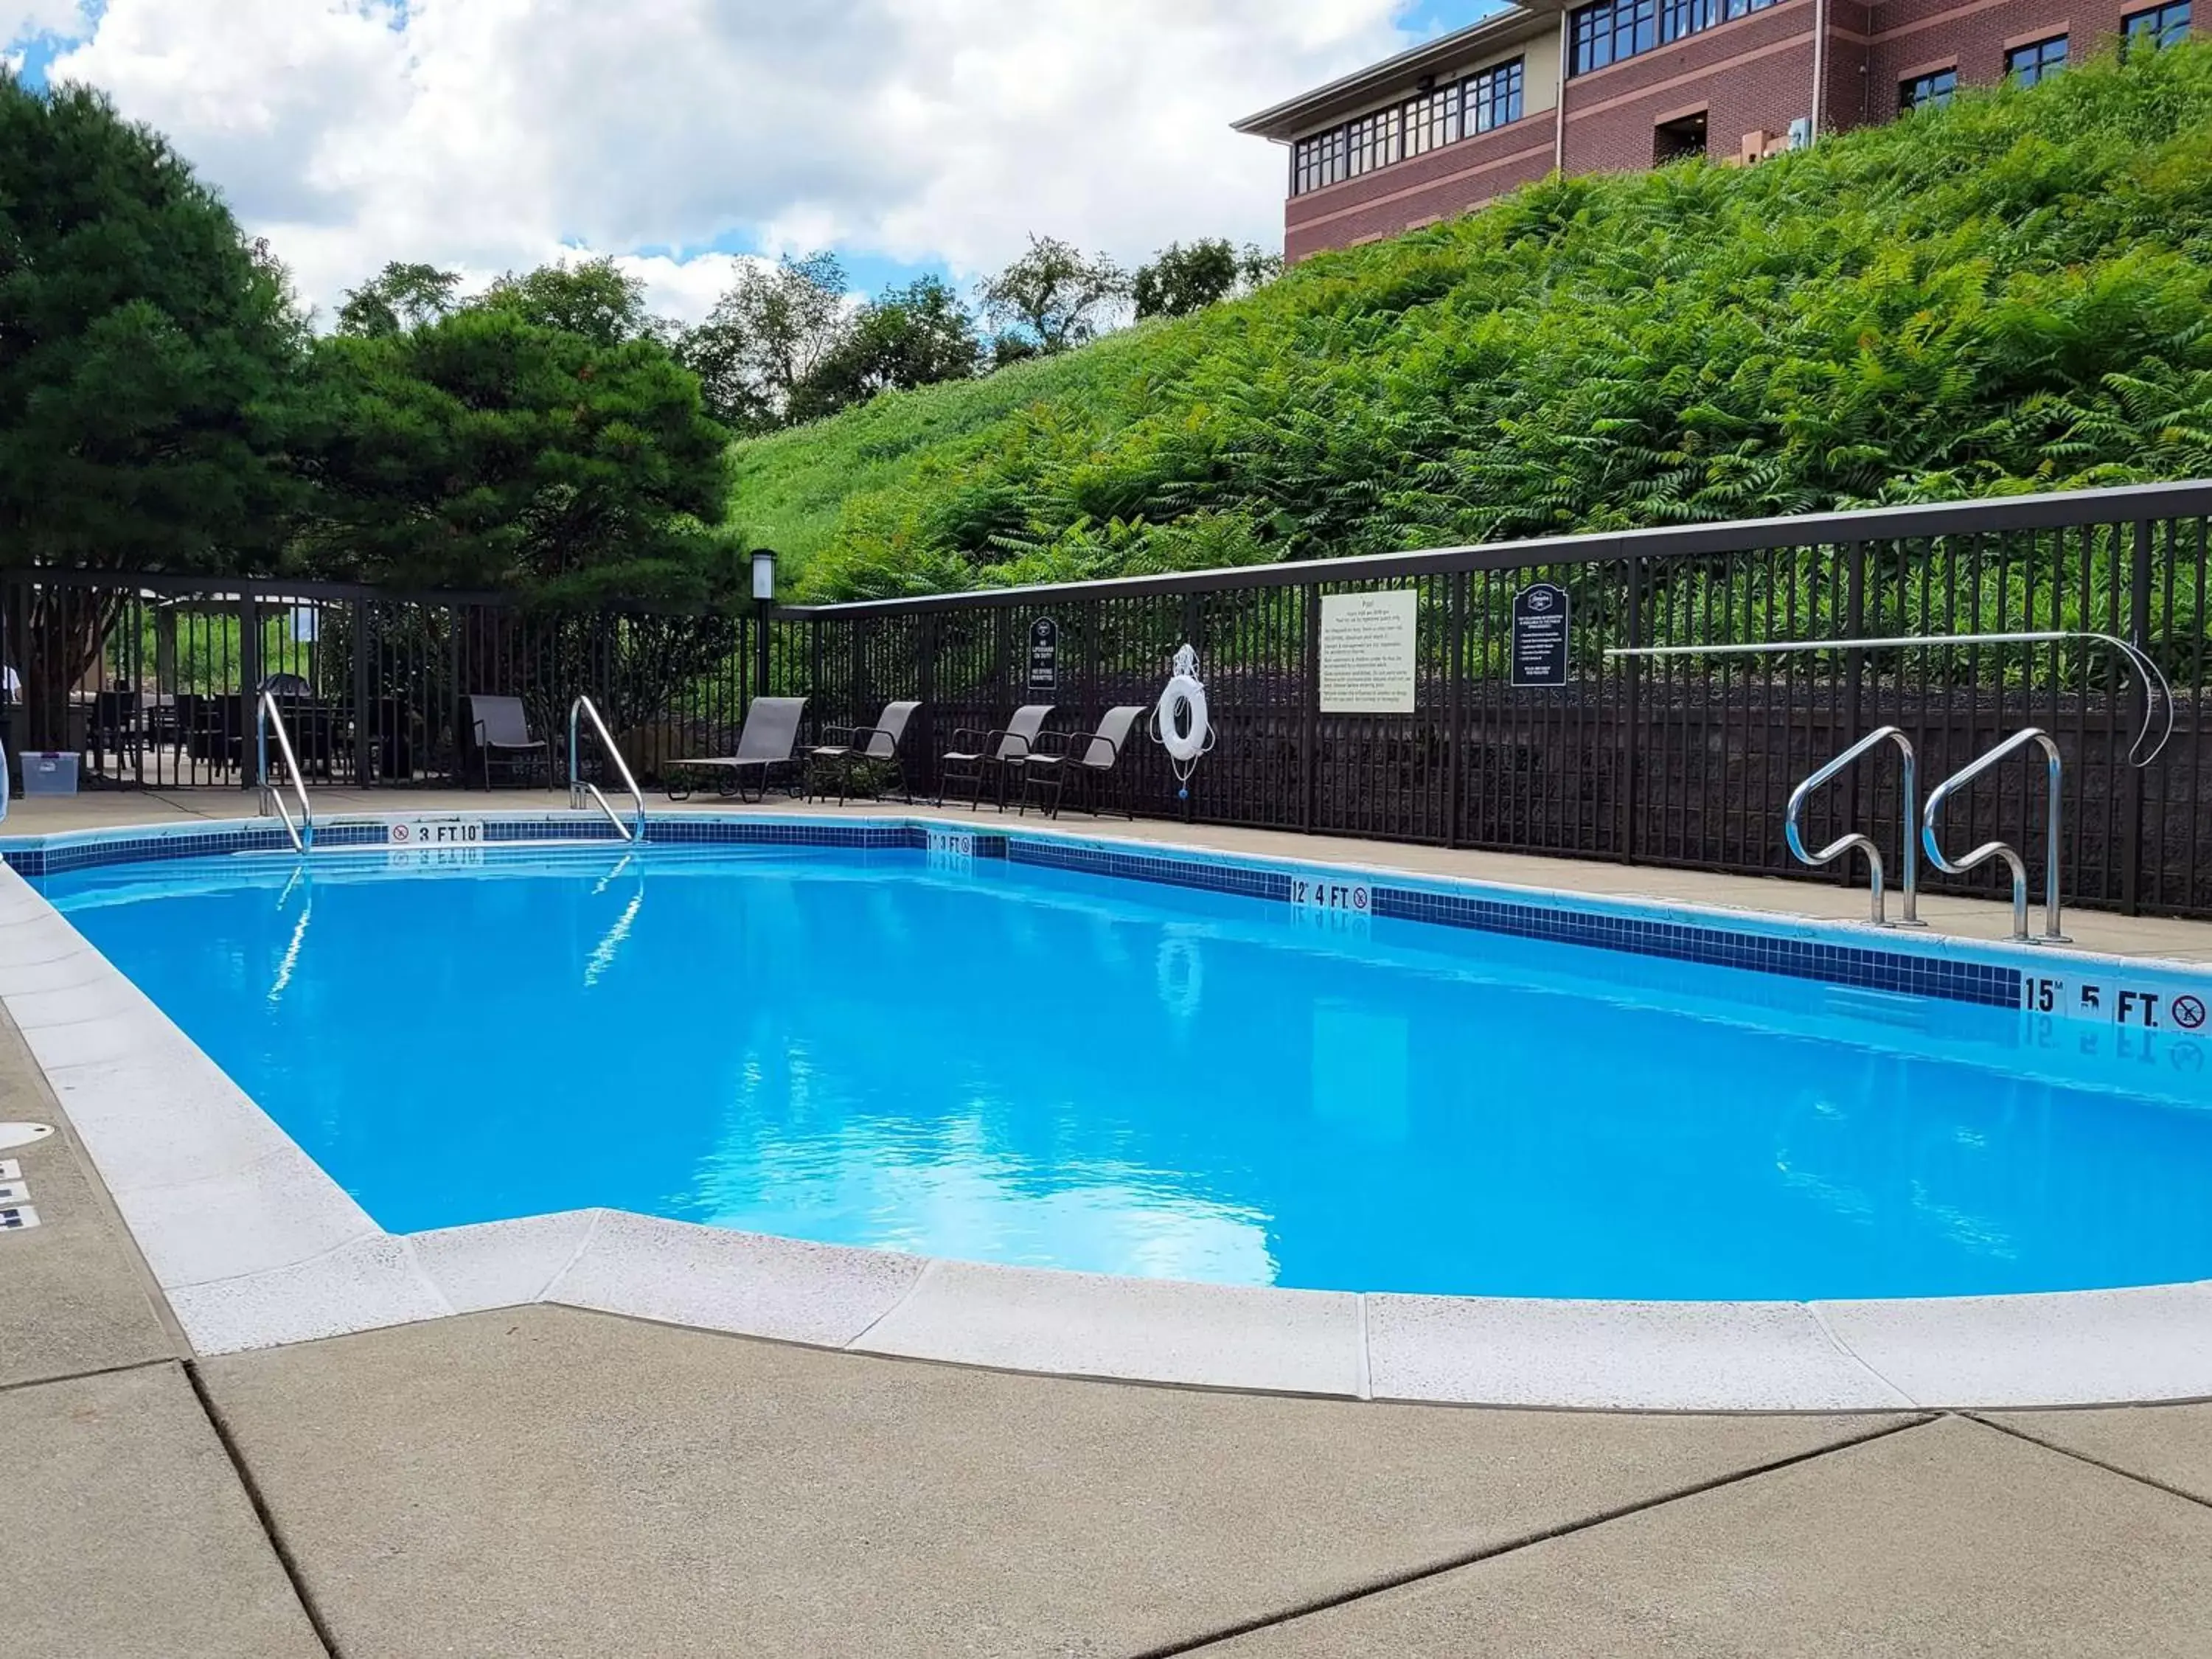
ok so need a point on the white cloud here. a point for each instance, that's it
(20, 18)
(487, 135)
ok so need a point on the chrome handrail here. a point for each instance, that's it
(2052, 933)
(302, 832)
(1794, 835)
(6, 798)
(578, 788)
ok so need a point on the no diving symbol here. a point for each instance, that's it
(2188, 1013)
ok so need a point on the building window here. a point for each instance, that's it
(2039, 62)
(1928, 91)
(1432, 121)
(1374, 142)
(1615, 29)
(1490, 98)
(1493, 98)
(2161, 26)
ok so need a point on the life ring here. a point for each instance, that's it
(1184, 695)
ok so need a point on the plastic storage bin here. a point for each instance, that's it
(49, 774)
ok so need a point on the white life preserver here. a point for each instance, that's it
(1184, 694)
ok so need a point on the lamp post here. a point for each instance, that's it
(764, 600)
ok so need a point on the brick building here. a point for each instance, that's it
(1441, 130)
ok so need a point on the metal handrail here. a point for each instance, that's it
(578, 788)
(2052, 933)
(7, 800)
(1794, 835)
(302, 831)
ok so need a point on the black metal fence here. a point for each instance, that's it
(1683, 761)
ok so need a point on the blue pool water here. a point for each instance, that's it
(1020, 1066)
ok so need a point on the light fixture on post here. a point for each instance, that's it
(764, 601)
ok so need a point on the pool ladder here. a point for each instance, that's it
(268, 717)
(1922, 831)
(2053, 931)
(1794, 831)
(579, 790)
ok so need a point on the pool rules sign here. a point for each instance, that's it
(1540, 616)
(1369, 652)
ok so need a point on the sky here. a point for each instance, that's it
(679, 136)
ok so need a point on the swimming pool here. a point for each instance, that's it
(983, 1060)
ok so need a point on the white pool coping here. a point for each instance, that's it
(256, 1247)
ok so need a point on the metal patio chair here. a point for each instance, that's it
(500, 729)
(771, 740)
(993, 756)
(1088, 760)
(850, 749)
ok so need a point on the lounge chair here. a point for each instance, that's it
(847, 750)
(978, 756)
(1087, 759)
(771, 740)
(501, 730)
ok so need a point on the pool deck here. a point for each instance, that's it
(545, 1481)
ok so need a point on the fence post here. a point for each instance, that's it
(1454, 700)
(760, 651)
(1631, 794)
(1310, 729)
(249, 685)
(926, 689)
(367, 739)
(1854, 688)
(2139, 636)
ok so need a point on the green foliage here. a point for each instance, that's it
(1054, 297)
(400, 297)
(2012, 294)
(1182, 280)
(765, 339)
(494, 449)
(912, 337)
(147, 351)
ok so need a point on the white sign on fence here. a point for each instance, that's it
(1367, 653)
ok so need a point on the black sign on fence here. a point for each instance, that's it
(1044, 655)
(1540, 637)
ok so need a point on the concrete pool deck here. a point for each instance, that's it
(545, 1481)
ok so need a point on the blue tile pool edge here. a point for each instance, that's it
(1843, 954)
(129, 1079)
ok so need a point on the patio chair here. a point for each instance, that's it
(1088, 760)
(500, 730)
(878, 744)
(995, 756)
(771, 740)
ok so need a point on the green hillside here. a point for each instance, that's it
(2012, 293)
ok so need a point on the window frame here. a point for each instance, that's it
(1935, 96)
(2044, 66)
(2169, 31)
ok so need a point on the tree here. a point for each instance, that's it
(149, 354)
(1056, 296)
(915, 336)
(593, 300)
(1182, 280)
(490, 449)
(766, 337)
(401, 297)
